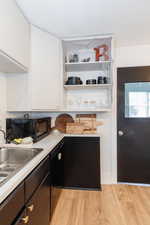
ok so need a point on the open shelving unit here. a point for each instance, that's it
(93, 97)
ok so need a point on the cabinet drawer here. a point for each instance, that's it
(38, 207)
(35, 178)
(10, 208)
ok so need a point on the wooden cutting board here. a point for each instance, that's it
(86, 116)
(61, 122)
(88, 120)
(74, 128)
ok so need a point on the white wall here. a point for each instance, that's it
(125, 56)
(2, 103)
(133, 56)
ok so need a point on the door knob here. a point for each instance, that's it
(25, 220)
(120, 133)
(30, 208)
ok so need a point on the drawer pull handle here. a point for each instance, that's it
(30, 208)
(59, 156)
(25, 220)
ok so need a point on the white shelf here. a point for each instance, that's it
(87, 63)
(86, 86)
(86, 110)
(86, 66)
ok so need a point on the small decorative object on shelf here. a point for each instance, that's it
(103, 53)
(91, 81)
(86, 59)
(73, 58)
(105, 79)
(102, 80)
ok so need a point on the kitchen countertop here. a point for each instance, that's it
(47, 144)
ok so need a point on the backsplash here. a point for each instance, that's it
(99, 116)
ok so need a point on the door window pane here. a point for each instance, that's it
(137, 99)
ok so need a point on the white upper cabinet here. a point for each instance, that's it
(45, 70)
(41, 88)
(14, 38)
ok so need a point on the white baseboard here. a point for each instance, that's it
(135, 184)
(106, 178)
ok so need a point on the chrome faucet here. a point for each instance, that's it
(4, 133)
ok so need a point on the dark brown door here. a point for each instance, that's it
(133, 124)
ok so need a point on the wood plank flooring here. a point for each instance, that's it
(115, 205)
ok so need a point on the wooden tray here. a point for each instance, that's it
(61, 122)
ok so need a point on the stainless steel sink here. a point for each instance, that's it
(14, 159)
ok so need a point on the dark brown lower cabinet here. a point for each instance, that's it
(82, 163)
(38, 208)
(20, 209)
(76, 163)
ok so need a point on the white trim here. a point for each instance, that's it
(44, 30)
(134, 184)
(88, 37)
(22, 12)
(106, 177)
(114, 117)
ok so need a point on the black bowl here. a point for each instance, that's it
(74, 81)
(91, 81)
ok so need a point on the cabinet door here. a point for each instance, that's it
(45, 70)
(57, 166)
(35, 178)
(10, 208)
(38, 208)
(14, 33)
(82, 162)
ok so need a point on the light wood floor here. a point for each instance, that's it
(115, 205)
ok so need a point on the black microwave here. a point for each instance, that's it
(37, 128)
